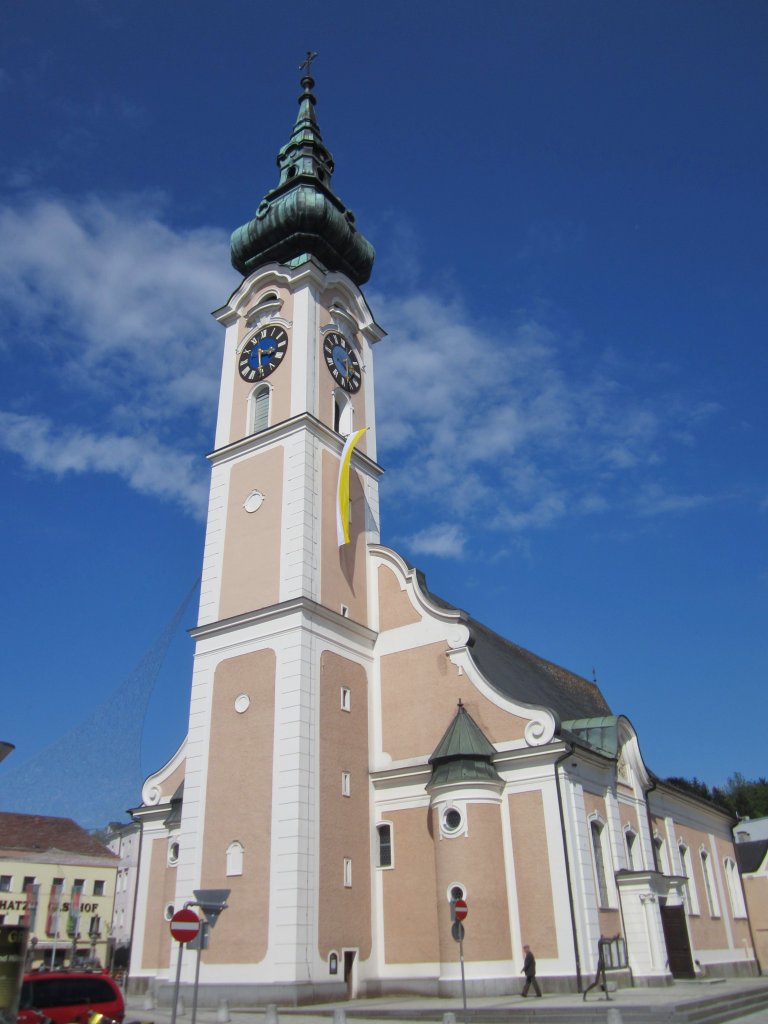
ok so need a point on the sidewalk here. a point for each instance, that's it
(712, 1000)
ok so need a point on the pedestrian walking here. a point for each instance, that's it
(529, 970)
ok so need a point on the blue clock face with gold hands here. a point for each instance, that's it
(341, 360)
(263, 353)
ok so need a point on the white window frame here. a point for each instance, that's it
(347, 870)
(662, 856)
(257, 392)
(346, 783)
(735, 892)
(690, 895)
(173, 859)
(235, 854)
(631, 848)
(389, 827)
(343, 412)
(710, 886)
(598, 829)
(346, 698)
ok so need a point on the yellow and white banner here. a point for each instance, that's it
(342, 493)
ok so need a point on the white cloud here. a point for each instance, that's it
(118, 296)
(480, 421)
(442, 539)
(144, 464)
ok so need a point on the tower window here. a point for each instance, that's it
(346, 784)
(342, 412)
(346, 699)
(347, 872)
(235, 858)
(384, 851)
(258, 409)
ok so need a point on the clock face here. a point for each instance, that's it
(341, 360)
(263, 353)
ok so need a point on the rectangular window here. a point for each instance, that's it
(6, 883)
(348, 872)
(346, 784)
(346, 699)
(98, 888)
(28, 880)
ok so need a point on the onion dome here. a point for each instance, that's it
(301, 216)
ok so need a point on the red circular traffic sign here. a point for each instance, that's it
(460, 909)
(185, 924)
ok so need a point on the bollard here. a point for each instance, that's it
(339, 1015)
(614, 1016)
(180, 1006)
(270, 1014)
(149, 1000)
(222, 1013)
(449, 1018)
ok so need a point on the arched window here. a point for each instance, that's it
(662, 860)
(630, 838)
(235, 858)
(598, 854)
(689, 888)
(384, 853)
(342, 412)
(735, 891)
(258, 409)
(709, 885)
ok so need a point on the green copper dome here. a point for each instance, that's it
(301, 216)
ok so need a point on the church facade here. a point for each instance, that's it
(360, 753)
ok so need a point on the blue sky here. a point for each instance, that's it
(569, 209)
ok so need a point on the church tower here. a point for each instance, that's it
(275, 792)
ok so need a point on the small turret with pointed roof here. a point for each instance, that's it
(302, 217)
(463, 754)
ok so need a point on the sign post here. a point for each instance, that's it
(185, 924)
(459, 911)
(212, 902)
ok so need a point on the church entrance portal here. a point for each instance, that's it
(678, 942)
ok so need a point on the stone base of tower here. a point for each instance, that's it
(245, 995)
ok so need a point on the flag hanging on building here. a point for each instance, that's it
(73, 920)
(342, 495)
(54, 908)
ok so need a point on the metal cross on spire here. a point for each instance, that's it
(307, 62)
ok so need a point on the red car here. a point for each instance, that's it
(69, 997)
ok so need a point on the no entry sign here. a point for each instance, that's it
(460, 910)
(185, 924)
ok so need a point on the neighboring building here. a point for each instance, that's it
(360, 753)
(60, 882)
(752, 857)
(749, 829)
(124, 840)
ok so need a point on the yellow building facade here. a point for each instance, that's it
(59, 881)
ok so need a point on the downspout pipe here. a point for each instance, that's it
(570, 748)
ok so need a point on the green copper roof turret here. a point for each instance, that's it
(301, 216)
(463, 754)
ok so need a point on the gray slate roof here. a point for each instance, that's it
(525, 677)
(522, 676)
(751, 855)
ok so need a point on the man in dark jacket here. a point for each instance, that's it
(529, 970)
